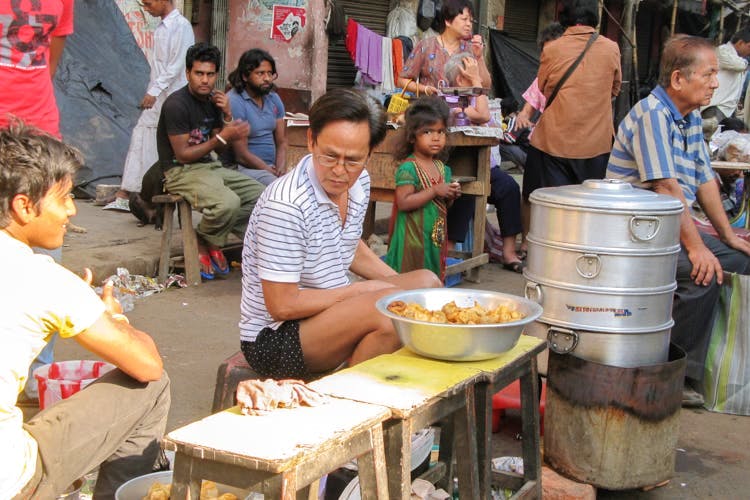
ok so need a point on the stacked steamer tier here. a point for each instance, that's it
(602, 263)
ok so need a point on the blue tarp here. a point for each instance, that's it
(99, 83)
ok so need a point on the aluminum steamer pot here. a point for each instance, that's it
(602, 263)
(626, 350)
(605, 213)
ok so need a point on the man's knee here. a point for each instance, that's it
(424, 278)
(227, 206)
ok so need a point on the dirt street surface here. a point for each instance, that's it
(196, 328)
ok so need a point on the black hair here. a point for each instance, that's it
(351, 106)
(449, 11)
(31, 162)
(249, 60)
(742, 36)
(584, 12)
(553, 31)
(203, 52)
(422, 113)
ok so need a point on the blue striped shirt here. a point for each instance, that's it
(295, 236)
(655, 141)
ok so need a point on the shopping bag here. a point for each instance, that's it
(399, 102)
(727, 370)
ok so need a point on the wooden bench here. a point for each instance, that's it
(421, 391)
(189, 238)
(281, 453)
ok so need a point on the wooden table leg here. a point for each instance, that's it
(373, 478)
(184, 485)
(465, 438)
(483, 411)
(532, 465)
(398, 458)
(288, 485)
(445, 454)
(189, 245)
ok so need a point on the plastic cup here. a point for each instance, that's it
(62, 379)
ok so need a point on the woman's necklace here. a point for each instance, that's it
(431, 170)
(445, 46)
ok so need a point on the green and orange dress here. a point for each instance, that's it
(419, 238)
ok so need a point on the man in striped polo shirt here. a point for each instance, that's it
(659, 146)
(300, 314)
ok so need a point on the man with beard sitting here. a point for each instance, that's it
(253, 100)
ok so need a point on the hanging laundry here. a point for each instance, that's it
(401, 21)
(369, 55)
(398, 59)
(351, 38)
(387, 71)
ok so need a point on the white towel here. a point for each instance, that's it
(388, 86)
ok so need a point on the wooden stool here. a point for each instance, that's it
(283, 452)
(231, 372)
(419, 392)
(189, 238)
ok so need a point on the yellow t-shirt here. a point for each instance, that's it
(39, 298)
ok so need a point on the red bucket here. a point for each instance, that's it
(63, 379)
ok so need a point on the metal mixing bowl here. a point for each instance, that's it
(459, 342)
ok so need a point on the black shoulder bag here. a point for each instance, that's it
(570, 70)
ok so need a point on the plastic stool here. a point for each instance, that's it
(510, 398)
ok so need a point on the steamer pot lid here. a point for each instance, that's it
(608, 194)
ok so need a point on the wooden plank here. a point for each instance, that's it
(276, 442)
(730, 165)
(465, 439)
(398, 382)
(467, 264)
(526, 347)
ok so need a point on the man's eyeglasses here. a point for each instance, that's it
(329, 161)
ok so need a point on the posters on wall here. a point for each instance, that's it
(141, 24)
(287, 22)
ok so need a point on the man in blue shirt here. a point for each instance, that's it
(253, 100)
(659, 146)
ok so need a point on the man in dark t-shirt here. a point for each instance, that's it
(194, 122)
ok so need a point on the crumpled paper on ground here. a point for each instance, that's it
(128, 287)
(260, 397)
(508, 464)
(425, 490)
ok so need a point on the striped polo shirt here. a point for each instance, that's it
(295, 236)
(654, 141)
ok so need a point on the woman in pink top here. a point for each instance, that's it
(426, 63)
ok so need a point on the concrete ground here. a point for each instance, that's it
(196, 328)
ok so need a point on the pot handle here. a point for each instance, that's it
(561, 340)
(646, 231)
(537, 295)
(589, 265)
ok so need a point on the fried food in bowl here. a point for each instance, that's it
(458, 324)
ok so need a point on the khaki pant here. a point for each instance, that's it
(225, 197)
(116, 423)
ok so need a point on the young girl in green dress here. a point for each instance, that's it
(423, 191)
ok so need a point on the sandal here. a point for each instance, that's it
(516, 267)
(205, 262)
(522, 254)
(219, 262)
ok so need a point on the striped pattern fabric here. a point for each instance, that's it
(727, 370)
(295, 236)
(655, 141)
